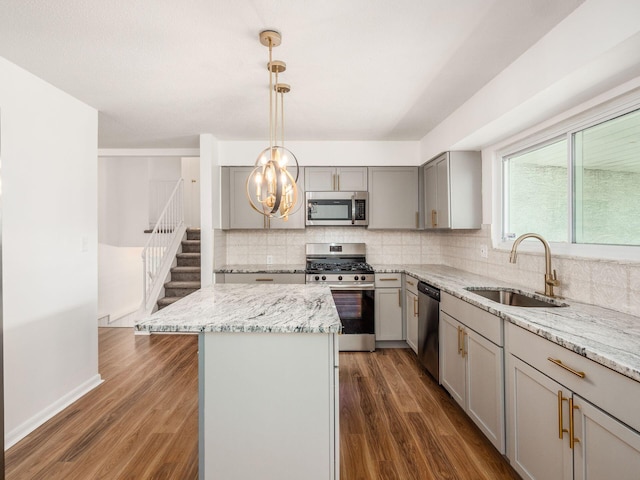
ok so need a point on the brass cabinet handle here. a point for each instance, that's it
(415, 307)
(400, 298)
(411, 283)
(464, 344)
(561, 428)
(560, 364)
(572, 440)
(333, 181)
(434, 218)
(459, 341)
(264, 279)
(392, 279)
(338, 177)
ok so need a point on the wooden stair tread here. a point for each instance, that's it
(188, 255)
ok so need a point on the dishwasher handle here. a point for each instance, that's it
(429, 290)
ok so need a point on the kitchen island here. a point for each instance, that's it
(268, 379)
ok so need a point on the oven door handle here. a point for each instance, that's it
(367, 286)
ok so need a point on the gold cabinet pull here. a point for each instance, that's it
(264, 279)
(411, 283)
(415, 307)
(434, 218)
(387, 279)
(400, 298)
(572, 439)
(561, 428)
(459, 341)
(569, 369)
(464, 344)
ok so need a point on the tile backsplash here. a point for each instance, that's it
(607, 283)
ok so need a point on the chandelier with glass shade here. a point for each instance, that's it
(271, 186)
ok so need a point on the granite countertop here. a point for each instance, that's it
(605, 336)
(249, 308)
(261, 268)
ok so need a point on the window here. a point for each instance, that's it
(583, 187)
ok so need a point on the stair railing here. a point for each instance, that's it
(159, 252)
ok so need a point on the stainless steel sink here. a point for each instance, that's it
(509, 296)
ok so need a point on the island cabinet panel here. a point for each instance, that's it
(393, 198)
(548, 401)
(268, 406)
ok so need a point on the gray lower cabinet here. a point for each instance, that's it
(411, 311)
(393, 197)
(569, 418)
(263, 278)
(388, 307)
(472, 364)
(453, 191)
(237, 212)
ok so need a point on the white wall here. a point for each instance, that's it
(49, 180)
(590, 52)
(124, 213)
(331, 153)
(124, 196)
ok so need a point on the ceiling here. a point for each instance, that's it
(161, 72)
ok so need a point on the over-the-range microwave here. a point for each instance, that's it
(337, 208)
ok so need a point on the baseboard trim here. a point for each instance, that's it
(21, 431)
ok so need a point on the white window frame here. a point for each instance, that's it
(593, 116)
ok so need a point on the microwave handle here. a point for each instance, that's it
(353, 209)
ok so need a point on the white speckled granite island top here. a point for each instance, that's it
(605, 336)
(249, 308)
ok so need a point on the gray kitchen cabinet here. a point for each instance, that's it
(393, 197)
(453, 191)
(237, 212)
(263, 278)
(411, 311)
(388, 306)
(339, 179)
(579, 416)
(472, 364)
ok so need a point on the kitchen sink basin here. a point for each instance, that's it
(509, 296)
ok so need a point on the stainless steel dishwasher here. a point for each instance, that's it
(428, 326)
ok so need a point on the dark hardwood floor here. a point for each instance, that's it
(141, 423)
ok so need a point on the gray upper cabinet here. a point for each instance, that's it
(393, 197)
(453, 191)
(342, 179)
(238, 214)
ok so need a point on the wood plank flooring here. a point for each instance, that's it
(141, 423)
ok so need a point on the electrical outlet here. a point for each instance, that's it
(484, 251)
(269, 259)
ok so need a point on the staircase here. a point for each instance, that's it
(185, 276)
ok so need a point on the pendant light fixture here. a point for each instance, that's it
(271, 186)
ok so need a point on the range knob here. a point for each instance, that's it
(324, 277)
(356, 278)
(340, 277)
(317, 278)
(362, 278)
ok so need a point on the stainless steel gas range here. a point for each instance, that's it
(344, 268)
